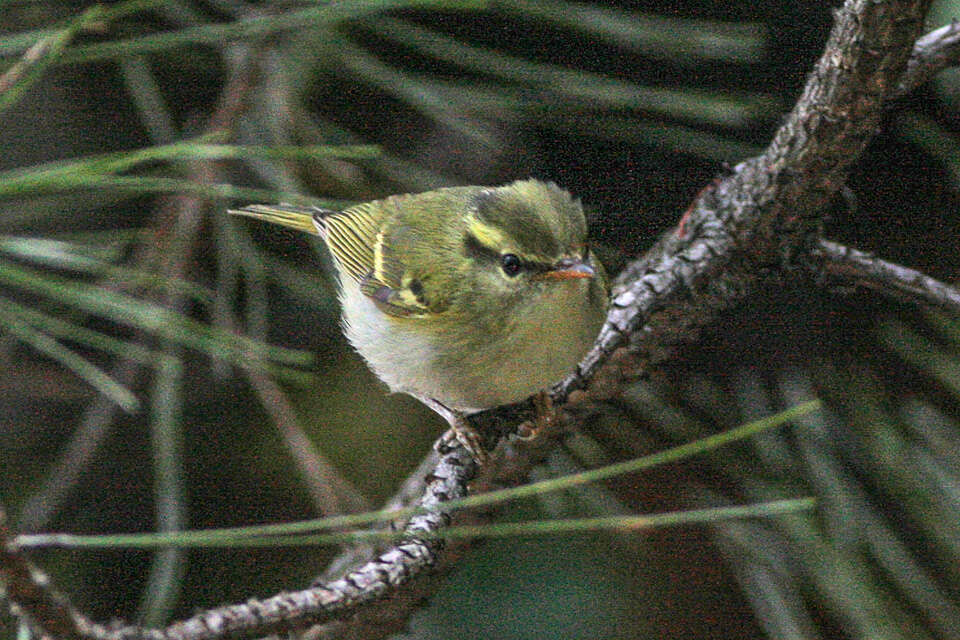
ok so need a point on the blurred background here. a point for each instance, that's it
(163, 366)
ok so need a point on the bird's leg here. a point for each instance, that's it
(460, 431)
(546, 417)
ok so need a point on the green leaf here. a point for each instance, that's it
(67, 255)
(132, 312)
(40, 56)
(85, 369)
(217, 536)
(198, 539)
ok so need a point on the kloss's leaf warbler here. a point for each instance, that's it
(465, 298)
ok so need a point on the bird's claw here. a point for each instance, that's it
(545, 419)
(460, 432)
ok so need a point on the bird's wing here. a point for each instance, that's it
(356, 240)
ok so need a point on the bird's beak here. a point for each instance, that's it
(568, 269)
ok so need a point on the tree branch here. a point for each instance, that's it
(763, 216)
(390, 616)
(837, 265)
(420, 543)
(749, 225)
(31, 595)
(416, 551)
(932, 53)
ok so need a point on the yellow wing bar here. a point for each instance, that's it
(354, 239)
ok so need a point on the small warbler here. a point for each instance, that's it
(466, 297)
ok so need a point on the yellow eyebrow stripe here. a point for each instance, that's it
(498, 242)
(490, 237)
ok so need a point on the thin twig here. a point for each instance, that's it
(32, 597)
(22, 75)
(390, 616)
(394, 568)
(932, 53)
(846, 267)
(332, 493)
(65, 473)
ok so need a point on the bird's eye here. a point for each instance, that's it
(510, 264)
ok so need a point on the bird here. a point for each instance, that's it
(465, 298)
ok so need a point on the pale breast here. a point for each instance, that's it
(455, 364)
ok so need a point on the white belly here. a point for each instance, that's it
(466, 371)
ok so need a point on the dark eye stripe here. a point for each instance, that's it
(480, 251)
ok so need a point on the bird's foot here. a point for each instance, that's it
(546, 417)
(460, 432)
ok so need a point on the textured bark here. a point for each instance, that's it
(838, 266)
(933, 52)
(32, 598)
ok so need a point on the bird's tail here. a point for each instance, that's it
(307, 219)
